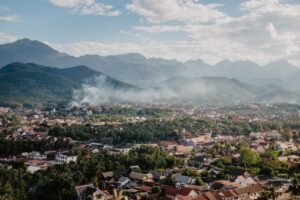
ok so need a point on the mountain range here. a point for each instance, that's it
(138, 70)
(26, 79)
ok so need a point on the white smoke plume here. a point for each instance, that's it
(100, 90)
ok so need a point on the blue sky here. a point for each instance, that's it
(212, 30)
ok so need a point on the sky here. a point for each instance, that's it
(212, 30)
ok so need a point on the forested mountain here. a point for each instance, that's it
(35, 85)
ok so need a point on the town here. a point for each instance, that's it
(129, 151)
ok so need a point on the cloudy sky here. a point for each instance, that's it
(212, 30)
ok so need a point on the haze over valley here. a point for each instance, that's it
(132, 78)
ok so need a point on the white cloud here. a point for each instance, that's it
(271, 29)
(6, 38)
(267, 31)
(158, 29)
(255, 4)
(10, 18)
(179, 10)
(86, 7)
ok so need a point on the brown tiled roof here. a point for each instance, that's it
(249, 189)
(211, 196)
(184, 191)
(178, 191)
(201, 197)
(229, 193)
(136, 175)
(183, 198)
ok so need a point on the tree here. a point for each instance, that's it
(198, 181)
(295, 187)
(248, 157)
(156, 190)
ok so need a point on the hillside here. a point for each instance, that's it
(225, 91)
(35, 85)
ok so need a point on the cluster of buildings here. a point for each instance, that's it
(35, 161)
(150, 185)
(135, 183)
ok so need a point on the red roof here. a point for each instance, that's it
(229, 193)
(178, 191)
(145, 188)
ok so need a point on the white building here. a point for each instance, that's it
(65, 157)
(198, 141)
(37, 156)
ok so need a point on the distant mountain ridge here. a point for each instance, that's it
(226, 91)
(138, 70)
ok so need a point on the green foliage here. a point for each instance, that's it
(198, 181)
(153, 158)
(142, 132)
(32, 85)
(156, 189)
(9, 147)
(58, 182)
(248, 157)
(295, 187)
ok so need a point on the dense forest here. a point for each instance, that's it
(8, 147)
(156, 130)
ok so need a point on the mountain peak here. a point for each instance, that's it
(32, 44)
(26, 50)
(199, 61)
(24, 40)
(282, 63)
(223, 62)
(130, 57)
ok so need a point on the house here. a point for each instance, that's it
(172, 192)
(250, 192)
(281, 186)
(197, 142)
(145, 189)
(179, 149)
(292, 159)
(283, 146)
(134, 167)
(36, 156)
(140, 176)
(123, 181)
(85, 192)
(227, 195)
(218, 195)
(36, 165)
(157, 176)
(65, 157)
(130, 185)
(244, 181)
(207, 196)
(224, 184)
(108, 175)
(181, 179)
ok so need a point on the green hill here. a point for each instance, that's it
(33, 85)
